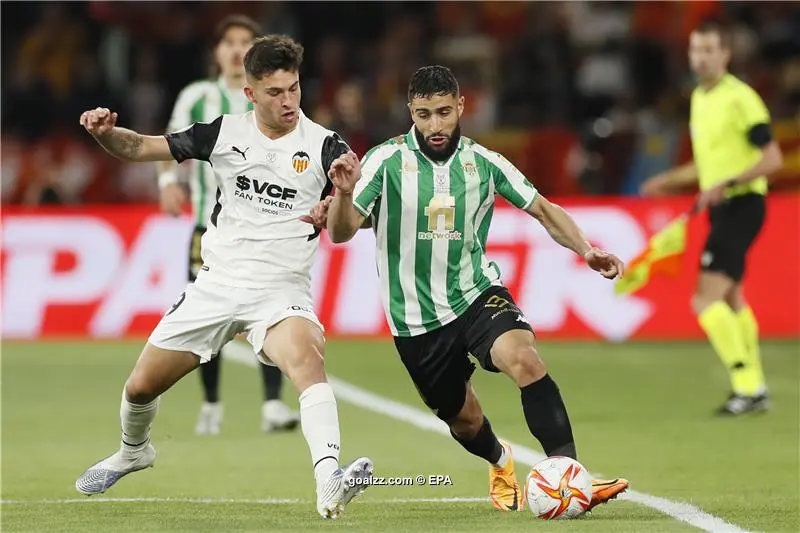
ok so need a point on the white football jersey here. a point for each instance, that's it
(255, 237)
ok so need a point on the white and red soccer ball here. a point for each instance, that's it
(558, 488)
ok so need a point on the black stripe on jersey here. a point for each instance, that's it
(195, 142)
(217, 209)
(332, 147)
(326, 190)
(760, 135)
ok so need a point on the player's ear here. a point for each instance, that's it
(248, 92)
(460, 106)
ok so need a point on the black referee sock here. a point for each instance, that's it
(484, 444)
(209, 376)
(547, 417)
(273, 382)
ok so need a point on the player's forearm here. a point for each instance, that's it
(343, 219)
(682, 176)
(771, 161)
(129, 145)
(560, 226)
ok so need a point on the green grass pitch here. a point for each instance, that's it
(641, 411)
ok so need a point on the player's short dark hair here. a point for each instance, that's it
(716, 26)
(430, 81)
(234, 21)
(271, 53)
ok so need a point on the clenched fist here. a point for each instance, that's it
(98, 121)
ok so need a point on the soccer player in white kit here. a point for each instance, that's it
(203, 101)
(271, 167)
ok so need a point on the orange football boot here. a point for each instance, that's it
(606, 489)
(504, 490)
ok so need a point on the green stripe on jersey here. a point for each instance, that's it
(389, 268)
(198, 113)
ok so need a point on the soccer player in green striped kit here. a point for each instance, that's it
(430, 195)
(204, 101)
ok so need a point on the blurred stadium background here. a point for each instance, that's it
(587, 99)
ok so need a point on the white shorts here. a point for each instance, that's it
(209, 315)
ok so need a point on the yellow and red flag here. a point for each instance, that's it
(663, 255)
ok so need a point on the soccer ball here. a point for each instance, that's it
(558, 488)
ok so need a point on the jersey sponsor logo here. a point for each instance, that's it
(303, 308)
(300, 162)
(498, 302)
(240, 151)
(441, 213)
(265, 193)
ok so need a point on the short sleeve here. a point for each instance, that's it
(509, 182)
(194, 142)
(373, 169)
(750, 109)
(332, 147)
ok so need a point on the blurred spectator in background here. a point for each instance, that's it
(584, 97)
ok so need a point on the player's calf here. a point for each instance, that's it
(155, 371)
(472, 430)
(296, 346)
(514, 353)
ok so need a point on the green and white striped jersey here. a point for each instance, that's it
(204, 101)
(431, 223)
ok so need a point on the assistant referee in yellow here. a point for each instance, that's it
(733, 153)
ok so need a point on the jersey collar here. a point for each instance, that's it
(411, 141)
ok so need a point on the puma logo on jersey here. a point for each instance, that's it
(238, 151)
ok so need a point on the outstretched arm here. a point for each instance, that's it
(563, 229)
(123, 143)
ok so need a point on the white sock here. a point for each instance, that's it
(504, 457)
(136, 420)
(319, 419)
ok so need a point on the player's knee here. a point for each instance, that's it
(140, 390)
(304, 366)
(701, 300)
(523, 364)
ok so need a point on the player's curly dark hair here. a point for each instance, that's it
(431, 80)
(271, 53)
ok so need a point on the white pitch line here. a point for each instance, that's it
(265, 501)
(684, 512)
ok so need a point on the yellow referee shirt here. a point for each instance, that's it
(722, 125)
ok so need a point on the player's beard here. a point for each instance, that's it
(446, 152)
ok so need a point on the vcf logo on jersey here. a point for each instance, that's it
(300, 162)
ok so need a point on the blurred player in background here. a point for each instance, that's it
(430, 194)
(203, 101)
(734, 152)
(271, 167)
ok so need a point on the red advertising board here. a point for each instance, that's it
(110, 272)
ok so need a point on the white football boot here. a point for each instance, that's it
(100, 477)
(209, 420)
(342, 486)
(276, 416)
